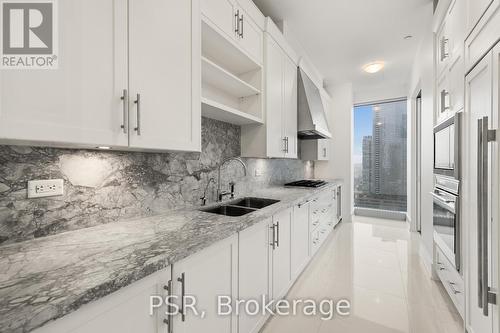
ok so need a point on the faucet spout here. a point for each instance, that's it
(224, 162)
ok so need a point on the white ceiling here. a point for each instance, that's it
(341, 36)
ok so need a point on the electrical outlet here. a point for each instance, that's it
(258, 172)
(45, 188)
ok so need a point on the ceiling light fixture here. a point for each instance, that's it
(104, 147)
(374, 67)
(408, 37)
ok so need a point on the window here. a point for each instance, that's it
(380, 156)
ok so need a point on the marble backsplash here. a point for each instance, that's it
(107, 186)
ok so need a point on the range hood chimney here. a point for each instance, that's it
(312, 122)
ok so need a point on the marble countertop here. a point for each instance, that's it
(44, 279)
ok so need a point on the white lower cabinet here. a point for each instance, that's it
(280, 258)
(206, 275)
(300, 239)
(253, 272)
(124, 311)
(259, 262)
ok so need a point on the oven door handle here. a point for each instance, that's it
(443, 202)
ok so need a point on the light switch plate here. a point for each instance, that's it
(45, 188)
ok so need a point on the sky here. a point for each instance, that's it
(363, 121)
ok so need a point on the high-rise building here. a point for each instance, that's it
(389, 149)
(367, 163)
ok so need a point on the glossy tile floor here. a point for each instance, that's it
(374, 264)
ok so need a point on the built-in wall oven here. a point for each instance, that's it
(446, 217)
(447, 147)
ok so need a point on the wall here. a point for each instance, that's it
(422, 78)
(106, 186)
(384, 91)
(341, 125)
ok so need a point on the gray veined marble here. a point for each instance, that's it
(103, 187)
(44, 279)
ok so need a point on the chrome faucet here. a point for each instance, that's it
(221, 194)
(204, 197)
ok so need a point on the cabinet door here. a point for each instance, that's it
(211, 273)
(253, 274)
(251, 36)
(222, 13)
(124, 311)
(281, 274)
(164, 51)
(479, 96)
(300, 239)
(274, 99)
(290, 106)
(80, 102)
(476, 9)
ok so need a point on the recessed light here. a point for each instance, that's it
(104, 147)
(374, 67)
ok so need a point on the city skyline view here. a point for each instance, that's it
(380, 156)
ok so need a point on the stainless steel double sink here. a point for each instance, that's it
(240, 207)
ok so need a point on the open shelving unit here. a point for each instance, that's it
(231, 80)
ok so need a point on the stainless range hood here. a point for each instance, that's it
(312, 122)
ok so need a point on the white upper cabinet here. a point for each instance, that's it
(476, 9)
(222, 13)
(290, 107)
(281, 102)
(236, 24)
(110, 52)
(164, 62)
(483, 26)
(276, 144)
(78, 103)
(250, 35)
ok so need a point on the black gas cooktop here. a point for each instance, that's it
(307, 183)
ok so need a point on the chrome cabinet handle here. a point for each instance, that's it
(485, 136)
(242, 23)
(273, 242)
(138, 103)
(182, 280)
(479, 211)
(452, 287)
(168, 321)
(278, 234)
(444, 105)
(237, 22)
(324, 152)
(124, 98)
(444, 42)
(284, 144)
(287, 144)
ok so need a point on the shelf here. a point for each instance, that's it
(215, 45)
(217, 76)
(218, 111)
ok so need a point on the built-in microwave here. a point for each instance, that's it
(447, 147)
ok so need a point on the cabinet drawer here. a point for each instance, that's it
(451, 279)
